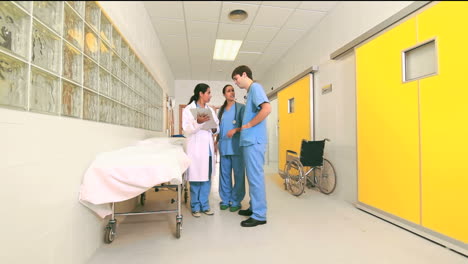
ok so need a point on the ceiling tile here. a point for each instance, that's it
(263, 34)
(232, 31)
(272, 16)
(317, 5)
(303, 19)
(277, 48)
(201, 48)
(166, 26)
(247, 58)
(287, 4)
(202, 10)
(289, 35)
(255, 46)
(166, 9)
(202, 29)
(229, 6)
(174, 46)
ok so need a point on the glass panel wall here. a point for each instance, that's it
(67, 58)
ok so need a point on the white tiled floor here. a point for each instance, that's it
(312, 228)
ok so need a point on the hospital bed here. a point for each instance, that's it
(128, 172)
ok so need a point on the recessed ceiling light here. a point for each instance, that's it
(226, 49)
(238, 15)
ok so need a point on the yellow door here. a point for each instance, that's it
(444, 128)
(388, 126)
(295, 125)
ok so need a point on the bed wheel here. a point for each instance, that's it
(110, 232)
(178, 229)
(142, 198)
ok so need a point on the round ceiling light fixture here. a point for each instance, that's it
(238, 15)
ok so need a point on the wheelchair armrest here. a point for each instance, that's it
(292, 152)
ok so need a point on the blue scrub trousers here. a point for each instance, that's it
(254, 159)
(231, 195)
(200, 192)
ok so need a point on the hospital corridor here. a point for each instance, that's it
(329, 132)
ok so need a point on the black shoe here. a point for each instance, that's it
(246, 212)
(252, 222)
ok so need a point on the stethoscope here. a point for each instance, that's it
(235, 114)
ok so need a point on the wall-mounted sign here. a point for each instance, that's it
(327, 89)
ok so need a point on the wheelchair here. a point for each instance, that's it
(309, 169)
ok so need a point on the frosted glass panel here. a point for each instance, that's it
(91, 43)
(44, 94)
(14, 25)
(104, 81)
(105, 106)
(78, 6)
(25, 4)
(116, 40)
(91, 74)
(115, 113)
(49, 12)
(114, 92)
(73, 30)
(105, 56)
(106, 29)
(90, 105)
(115, 65)
(92, 14)
(71, 99)
(13, 84)
(45, 48)
(72, 63)
(420, 61)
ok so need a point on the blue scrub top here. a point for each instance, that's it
(257, 134)
(228, 146)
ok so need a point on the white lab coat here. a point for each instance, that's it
(198, 141)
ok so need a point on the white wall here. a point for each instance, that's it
(43, 159)
(272, 126)
(184, 90)
(334, 112)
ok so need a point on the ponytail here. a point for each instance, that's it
(221, 110)
(201, 87)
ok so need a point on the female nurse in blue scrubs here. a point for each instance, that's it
(230, 116)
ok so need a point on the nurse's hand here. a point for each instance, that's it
(202, 118)
(231, 132)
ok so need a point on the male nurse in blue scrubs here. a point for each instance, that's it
(253, 140)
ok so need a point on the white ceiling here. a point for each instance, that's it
(188, 31)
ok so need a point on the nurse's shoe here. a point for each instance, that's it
(223, 206)
(196, 214)
(234, 208)
(252, 222)
(246, 212)
(208, 212)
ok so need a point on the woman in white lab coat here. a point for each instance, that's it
(200, 149)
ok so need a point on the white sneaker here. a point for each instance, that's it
(196, 214)
(208, 212)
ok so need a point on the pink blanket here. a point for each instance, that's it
(125, 173)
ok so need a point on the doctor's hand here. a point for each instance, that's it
(231, 132)
(202, 118)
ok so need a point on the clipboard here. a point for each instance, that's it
(204, 111)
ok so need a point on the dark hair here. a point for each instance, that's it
(241, 69)
(201, 87)
(221, 110)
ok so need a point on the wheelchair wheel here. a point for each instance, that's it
(295, 177)
(326, 177)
